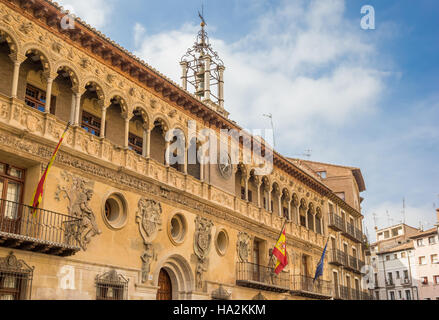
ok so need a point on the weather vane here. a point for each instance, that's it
(201, 15)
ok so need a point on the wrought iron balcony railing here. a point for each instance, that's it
(337, 257)
(27, 228)
(353, 233)
(306, 286)
(336, 222)
(345, 293)
(261, 277)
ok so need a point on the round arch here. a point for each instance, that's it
(180, 272)
(44, 56)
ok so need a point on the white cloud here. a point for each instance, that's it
(303, 62)
(94, 12)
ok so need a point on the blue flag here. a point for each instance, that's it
(319, 270)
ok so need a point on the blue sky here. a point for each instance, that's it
(364, 98)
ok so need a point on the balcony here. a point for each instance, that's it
(336, 222)
(260, 277)
(353, 233)
(26, 228)
(337, 257)
(390, 283)
(344, 293)
(352, 263)
(305, 286)
(406, 282)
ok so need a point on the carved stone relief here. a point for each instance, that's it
(202, 245)
(149, 219)
(79, 192)
(243, 246)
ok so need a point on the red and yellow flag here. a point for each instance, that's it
(38, 195)
(280, 252)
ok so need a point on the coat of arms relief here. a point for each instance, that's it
(243, 246)
(79, 193)
(202, 245)
(149, 219)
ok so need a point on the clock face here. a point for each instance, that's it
(225, 165)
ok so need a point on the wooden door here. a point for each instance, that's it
(165, 286)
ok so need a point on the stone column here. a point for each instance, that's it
(167, 153)
(144, 141)
(77, 107)
(103, 119)
(17, 60)
(127, 132)
(259, 194)
(289, 211)
(280, 206)
(73, 109)
(147, 133)
(269, 200)
(246, 188)
(185, 158)
(48, 94)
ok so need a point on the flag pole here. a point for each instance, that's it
(38, 195)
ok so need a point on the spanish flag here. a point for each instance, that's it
(280, 252)
(38, 195)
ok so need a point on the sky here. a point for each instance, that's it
(356, 97)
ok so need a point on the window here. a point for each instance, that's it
(394, 232)
(434, 258)
(392, 295)
(111, 286)
(115, 211)
(387, 258)
(436, 279)
(322, 174)
(331, 208)
(11, 192)
(420, 243)
(177, 228)
(91, 123)
(406, 274)
(397, 275)
(390, 278)
(222, 242)
(341, 195)
(424, 280)
(431, 240)
(15, 279)
(422, 260)
(400, 294)
(35, 98)
(403, 254)
(408, 295)
(242, 193)
(135, 143)
(386, 234)
(395, 256)
(377, 294)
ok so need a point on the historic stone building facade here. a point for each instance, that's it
(117, 221)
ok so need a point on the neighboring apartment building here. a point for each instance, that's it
(392, 259)
(346, 240)
(426, 246)
(117, 221)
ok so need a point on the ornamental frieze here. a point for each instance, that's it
(202, 245)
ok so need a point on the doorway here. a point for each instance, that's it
(165, 286)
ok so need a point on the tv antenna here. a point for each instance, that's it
(389, 219)
(270, 116)
(375, 218)
(403, 210)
